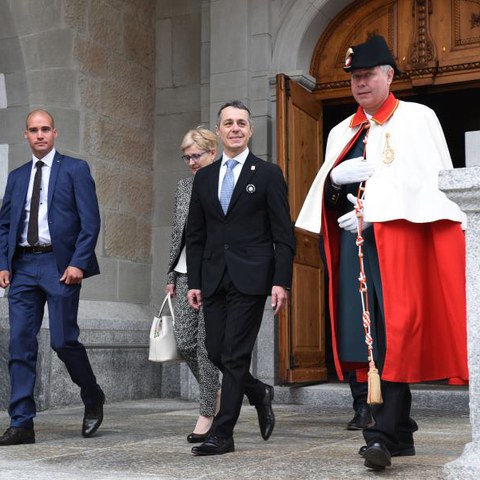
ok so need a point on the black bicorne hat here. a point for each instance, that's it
(370, 54)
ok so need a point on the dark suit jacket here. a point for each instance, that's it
(254, 240)
(73, 214)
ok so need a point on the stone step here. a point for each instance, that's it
(424, 396)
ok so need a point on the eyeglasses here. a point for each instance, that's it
(195, 157)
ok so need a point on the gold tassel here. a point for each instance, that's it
(374, 389)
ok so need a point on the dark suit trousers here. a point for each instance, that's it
(392, 422)
(232, 322)
(35, 281)
(359, 390)
(393, 425)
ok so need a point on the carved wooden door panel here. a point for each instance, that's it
(300, 155)
(434, 42)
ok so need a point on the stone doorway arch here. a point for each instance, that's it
(299, 32)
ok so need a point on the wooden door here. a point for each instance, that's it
(436, 43)
(300, 154)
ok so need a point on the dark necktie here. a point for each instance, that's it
(32, 232)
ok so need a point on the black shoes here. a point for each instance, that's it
(376, 456)
(93, 417)
(402, 450)
(361, 420)
(17, 436)
(91, 421)
(215, 446)
(266, 417)
(197, 437)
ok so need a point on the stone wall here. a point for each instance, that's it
(91, 63)
(182, 76)
(179, 62)
(113, 50)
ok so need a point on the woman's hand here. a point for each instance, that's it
(170, 288)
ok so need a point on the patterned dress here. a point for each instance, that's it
(189, 323)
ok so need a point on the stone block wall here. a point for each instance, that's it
(182, 74)
(181, 29)
(113, 49)
(91, 63)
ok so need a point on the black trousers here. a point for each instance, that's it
(232, 322)
(359, 390)
(393, 425)
(392, 422)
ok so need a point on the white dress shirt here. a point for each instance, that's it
(181, 266)
(43, 231)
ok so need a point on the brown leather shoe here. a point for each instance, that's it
(93, 417)
(17, 436)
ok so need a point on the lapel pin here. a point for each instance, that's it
(252, 167)
(250, 188)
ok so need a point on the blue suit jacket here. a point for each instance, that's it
(73, 214)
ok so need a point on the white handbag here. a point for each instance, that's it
(163, 347)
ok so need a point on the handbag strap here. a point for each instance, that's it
(167, 299)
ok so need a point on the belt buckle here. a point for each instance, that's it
(38, 249)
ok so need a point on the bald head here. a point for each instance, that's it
(40, 132)
(42, 112)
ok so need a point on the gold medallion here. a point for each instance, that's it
(388, 153)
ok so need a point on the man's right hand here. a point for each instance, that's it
(194, 298)
(355, 170)
(4, 278)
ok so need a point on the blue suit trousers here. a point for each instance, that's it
(36, 282)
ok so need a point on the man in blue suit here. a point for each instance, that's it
(49, 224)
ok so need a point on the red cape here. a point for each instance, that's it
(422, 268)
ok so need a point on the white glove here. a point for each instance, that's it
(352, 171)
(349, 221)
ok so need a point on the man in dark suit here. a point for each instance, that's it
(240, 248)
(49, 224)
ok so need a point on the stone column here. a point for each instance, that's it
(463, 187)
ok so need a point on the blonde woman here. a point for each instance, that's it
(199, 147)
